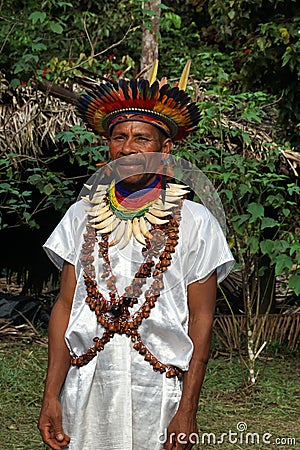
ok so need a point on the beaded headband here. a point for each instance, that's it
(168, 108)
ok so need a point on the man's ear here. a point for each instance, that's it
(167, 146)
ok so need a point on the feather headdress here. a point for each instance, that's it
(168, 108)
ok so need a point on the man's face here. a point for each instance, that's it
(135, 140)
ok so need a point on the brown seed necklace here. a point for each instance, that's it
(114, 313)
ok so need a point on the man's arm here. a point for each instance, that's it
(202, 301)
(50, 420)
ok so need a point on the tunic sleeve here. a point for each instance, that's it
(62, 245)
(207, 248)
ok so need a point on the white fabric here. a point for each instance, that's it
(117, 401)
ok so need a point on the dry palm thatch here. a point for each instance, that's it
(29, 121)
(26, 331)
(284, 296)
(284, 329)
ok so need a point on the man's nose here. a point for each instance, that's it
(128, 147)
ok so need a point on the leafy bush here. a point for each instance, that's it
(32, 185)
(263, 41)
(260, 199)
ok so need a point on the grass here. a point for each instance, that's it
(273, 407)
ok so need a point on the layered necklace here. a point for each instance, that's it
(129, 212)
(114, 312)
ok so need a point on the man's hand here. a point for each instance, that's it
(50, 425)
(182, 432)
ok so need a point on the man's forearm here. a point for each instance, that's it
(58, 353)
(193, 378)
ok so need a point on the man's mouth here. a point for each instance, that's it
(131, 166)
(131, 162)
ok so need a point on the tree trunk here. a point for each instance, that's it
(150, 35)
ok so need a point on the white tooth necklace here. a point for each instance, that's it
(107, 213)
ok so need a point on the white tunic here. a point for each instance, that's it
(117, 401)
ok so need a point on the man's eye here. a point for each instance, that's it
(142, 138)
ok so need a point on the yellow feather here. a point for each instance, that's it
(153, 72)
(184, 76)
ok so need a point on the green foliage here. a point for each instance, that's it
(33, 33)
(261, 202)
(263, 41)
(32, 185)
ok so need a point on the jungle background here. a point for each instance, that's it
(245, 76)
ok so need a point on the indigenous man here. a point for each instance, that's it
(140, 266)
